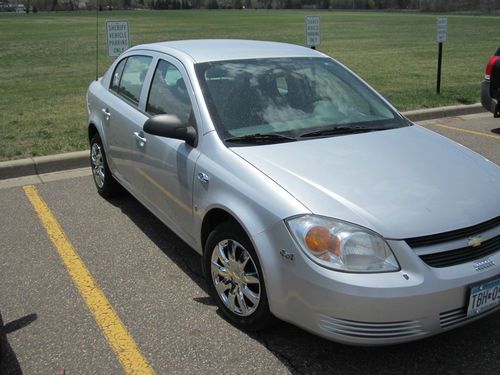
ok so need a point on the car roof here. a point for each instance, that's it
(206, 50)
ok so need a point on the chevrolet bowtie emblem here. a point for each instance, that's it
(475, 241)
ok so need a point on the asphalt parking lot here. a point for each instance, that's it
(155, 296)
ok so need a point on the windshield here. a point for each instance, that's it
(290, 97)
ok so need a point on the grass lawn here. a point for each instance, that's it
(48, 59)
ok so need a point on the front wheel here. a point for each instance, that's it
(105, 183)
(235, 278)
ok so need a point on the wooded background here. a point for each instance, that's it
(409, 5)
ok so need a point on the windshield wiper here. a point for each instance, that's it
(261, 138)
(342, 129)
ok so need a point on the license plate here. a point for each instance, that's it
(484, 297)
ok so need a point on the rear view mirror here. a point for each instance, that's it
(170, 126)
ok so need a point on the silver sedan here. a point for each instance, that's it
(309, 197)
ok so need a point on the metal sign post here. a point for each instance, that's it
(97, 40)
(313, 31)
(118, 37)
(441, 37)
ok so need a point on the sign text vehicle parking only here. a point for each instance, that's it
(313, 32)
(442, 29)
(118, 37)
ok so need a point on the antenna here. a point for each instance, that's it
(96, 40)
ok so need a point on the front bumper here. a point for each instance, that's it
(489, 103)
(367, 309)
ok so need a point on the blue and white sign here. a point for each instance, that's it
(313, 31)
(118, 37)
(442, 29)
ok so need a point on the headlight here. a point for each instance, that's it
(342, 246)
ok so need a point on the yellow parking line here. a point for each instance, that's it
(468, 131)
(114, 330)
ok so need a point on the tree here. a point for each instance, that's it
(212, 4)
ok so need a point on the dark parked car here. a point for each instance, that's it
(490, 87)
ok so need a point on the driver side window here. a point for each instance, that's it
(168, 93)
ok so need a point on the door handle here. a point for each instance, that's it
(203, 178)
(142, 140)
(106, 113)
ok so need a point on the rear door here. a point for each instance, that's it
(124, 117)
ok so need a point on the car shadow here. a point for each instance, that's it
(9, 365)
(472, 349)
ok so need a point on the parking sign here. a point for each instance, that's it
(118, 37)
(313, 31)
(442, 29)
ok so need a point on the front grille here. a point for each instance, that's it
(453, 235)
(462, 255)
(369, 330)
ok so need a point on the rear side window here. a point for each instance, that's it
(115, 83)
(129, 77)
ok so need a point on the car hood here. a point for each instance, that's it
(401, 183)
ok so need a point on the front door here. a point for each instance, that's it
(167, 165)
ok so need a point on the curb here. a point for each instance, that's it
(43, 164)
(72, 160)
(440, 112)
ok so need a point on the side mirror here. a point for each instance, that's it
(170, 126)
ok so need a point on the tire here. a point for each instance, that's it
(235, 278)
(105, 183)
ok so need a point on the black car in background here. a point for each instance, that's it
(490, 87)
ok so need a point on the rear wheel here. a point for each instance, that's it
(105, 183)
(235, 277)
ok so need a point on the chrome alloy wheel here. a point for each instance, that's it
(235, 277)
(97, 161)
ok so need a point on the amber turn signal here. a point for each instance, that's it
(320, 240)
